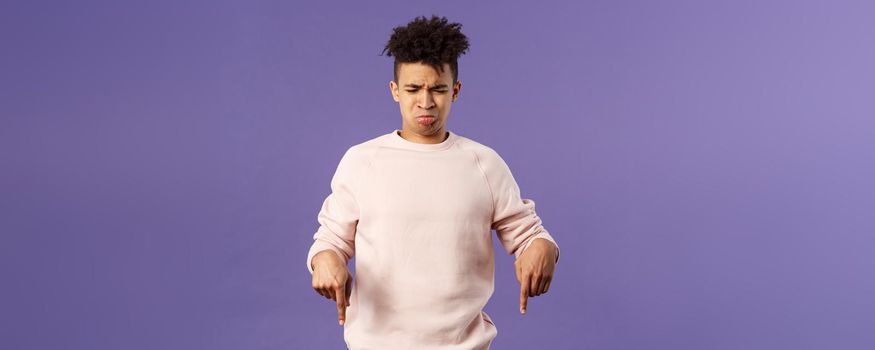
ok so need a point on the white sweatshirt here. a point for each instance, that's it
(418, 218)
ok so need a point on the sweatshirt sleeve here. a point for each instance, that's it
(514, 218)
(339, 214)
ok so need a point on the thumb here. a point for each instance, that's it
(348, 289)
(517, 269)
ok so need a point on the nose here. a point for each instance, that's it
(427, 102)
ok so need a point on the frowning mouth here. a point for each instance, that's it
(425, 119)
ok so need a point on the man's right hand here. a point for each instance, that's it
(332, 280)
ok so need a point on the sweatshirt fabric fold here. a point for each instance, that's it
(418, 218)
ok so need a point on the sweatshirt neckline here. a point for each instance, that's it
(401, 142)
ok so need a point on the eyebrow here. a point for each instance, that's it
(437, 86)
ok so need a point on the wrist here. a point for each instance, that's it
(324, 256)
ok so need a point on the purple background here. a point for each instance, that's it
(707, 169)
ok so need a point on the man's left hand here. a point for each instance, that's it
(534, 270)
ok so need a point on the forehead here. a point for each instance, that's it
(421, 73)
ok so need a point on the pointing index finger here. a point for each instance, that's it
(340, 296)
(524, 295)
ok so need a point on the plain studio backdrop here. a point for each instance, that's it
(708, 168)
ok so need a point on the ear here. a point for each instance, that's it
(457, 87)
(393, 89)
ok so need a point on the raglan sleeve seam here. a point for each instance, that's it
(488, 185)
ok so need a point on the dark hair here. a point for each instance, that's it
(432, 41)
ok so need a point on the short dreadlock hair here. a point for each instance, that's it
(432, 41)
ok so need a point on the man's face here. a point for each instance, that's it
(422, 92)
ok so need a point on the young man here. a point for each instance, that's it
(416, 207)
